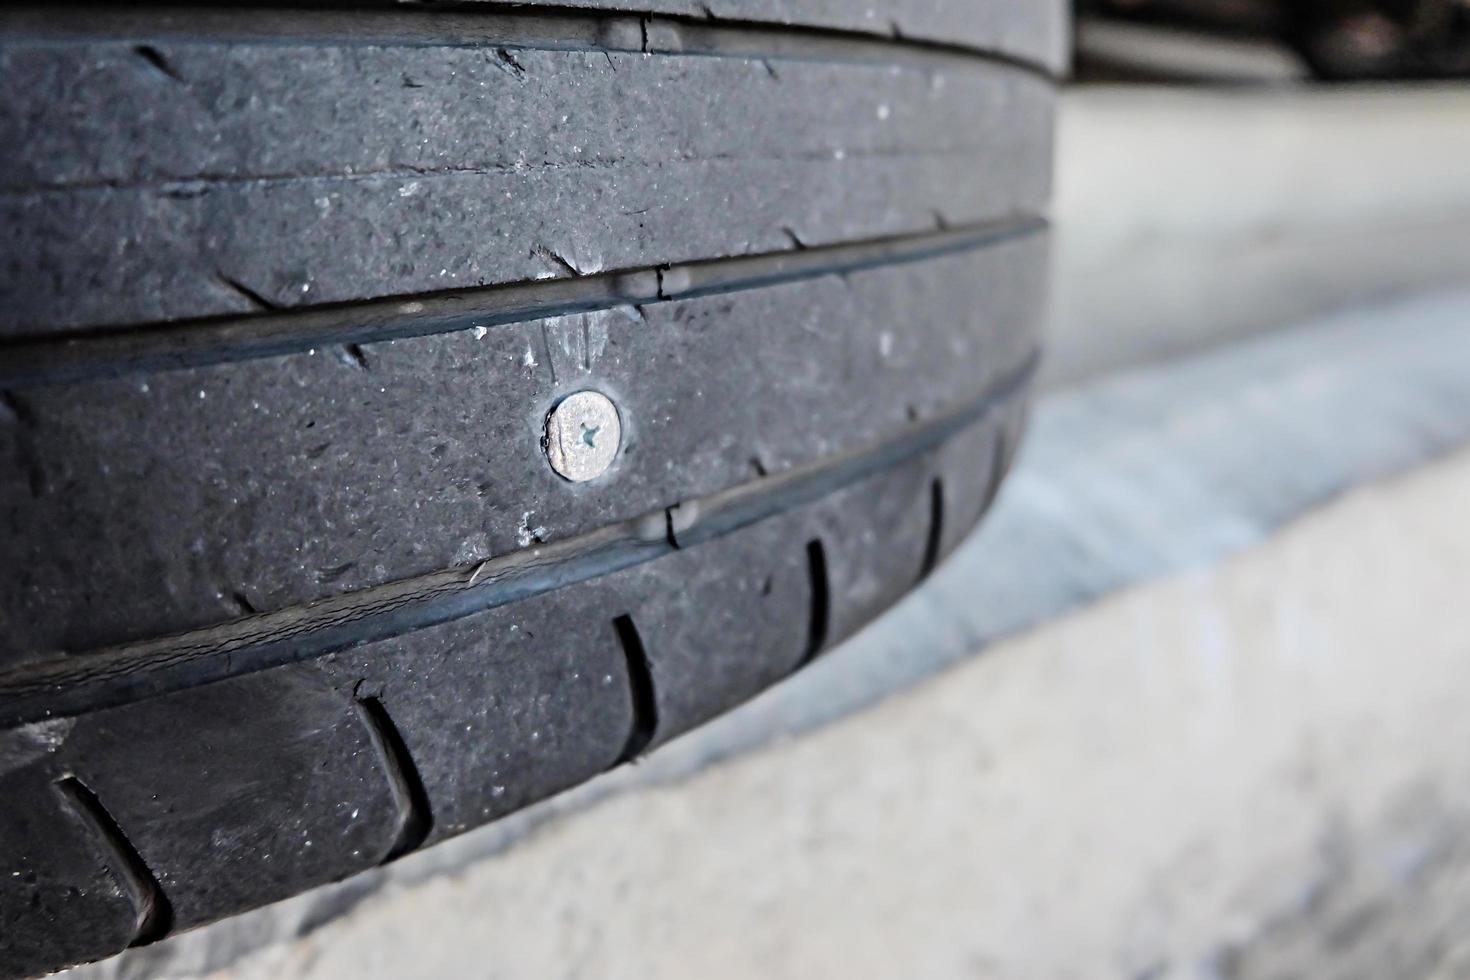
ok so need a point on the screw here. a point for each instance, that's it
(583, 435)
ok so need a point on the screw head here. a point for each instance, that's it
(583, 435)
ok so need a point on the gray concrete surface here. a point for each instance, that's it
(1190, 217)
(1140, 476)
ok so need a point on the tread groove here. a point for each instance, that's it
(641, 689)
(104, 352)
(936, 529)
(416, 818)
(154, 913)
(816, 564)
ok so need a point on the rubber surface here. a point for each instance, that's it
(464, 166)
(289, 589)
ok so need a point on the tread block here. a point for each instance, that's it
(239, 793)
(874, 536)
(720, 622)
(971, 465)
(63, 898)
(500, 709)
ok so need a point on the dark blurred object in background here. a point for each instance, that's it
(1255, 39)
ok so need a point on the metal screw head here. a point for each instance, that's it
(583, 434)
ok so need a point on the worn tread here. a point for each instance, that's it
(289, 590)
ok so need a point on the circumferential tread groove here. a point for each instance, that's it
(816, 637)
(103, 353)
(416, 814)
(155, 915)
(936, 529)
(640, 687)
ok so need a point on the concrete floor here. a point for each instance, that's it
(1191, 217)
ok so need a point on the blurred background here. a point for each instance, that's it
(1272, 40)
(1193, 701)
(1232, 166)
